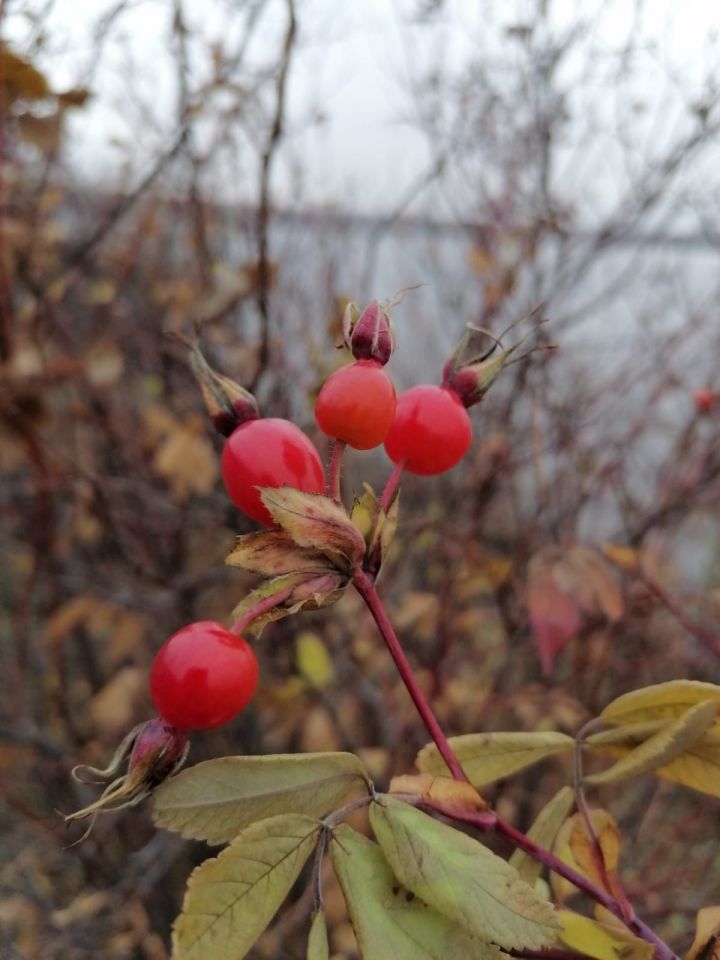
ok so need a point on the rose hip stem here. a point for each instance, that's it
(366, 588)
(337, 449)
(259, 609)
(393, 482)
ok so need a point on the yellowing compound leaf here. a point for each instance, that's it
(309, 590)
(663, 701)
(390, 923)
(232, 898)
(217, 799)
(318, 948)
(706, 945)
(272, 553)
(313, 660)
(697, 767)
(608, 837)
(543, 832)
(486, 757)
(599, 940)
(664, 746)
(461, 878)
(452, 795)
(315, 521)
(574, 846)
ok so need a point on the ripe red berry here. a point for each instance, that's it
(431, 431)
(202, 676)
(269, 453)
(704, 400)
(356, 404)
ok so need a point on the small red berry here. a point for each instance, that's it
(356, 404)
(431, 431)
(704, 400)
(202, 676)
(269, 453)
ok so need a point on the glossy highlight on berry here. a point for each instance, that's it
(203, 676)
(431, 430)
(269, 453)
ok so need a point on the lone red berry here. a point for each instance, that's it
(202, 676)
(431, 431)
(704, 400)
(356, 404)
(269, 453)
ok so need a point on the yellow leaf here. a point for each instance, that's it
(706, 945)
(313, 660)
(232, 898)
(663, 701)
(573, 846)
(663, 747)
(698, 767)
(487, 757)
(543, 832)
(318, 940)
(449, 793)
(623, 557)
(596, 939)
(22, 81)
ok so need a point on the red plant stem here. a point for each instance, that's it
(393, 482)
(337, 449)
(261, 607)
(365, 586)
(493, 822)
(672, 606)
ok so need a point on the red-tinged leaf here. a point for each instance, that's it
(555, 616)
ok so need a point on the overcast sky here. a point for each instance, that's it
(352, 64)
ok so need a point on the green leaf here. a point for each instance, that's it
(486, 757)
(461, 878)
(663, 701)
(273, 552)
(389, 526)
(232, 898)
(308, 590)
(389, 922)
(216, 799)
(663, 747)
(543, 832)
(318, 948)
(600, 940)
(316, 521)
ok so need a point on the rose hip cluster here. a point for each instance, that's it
(205, 674)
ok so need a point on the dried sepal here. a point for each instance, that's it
(153, 750)
(228, 404)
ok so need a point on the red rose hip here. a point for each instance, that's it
(269, 453)
(203, 676)
(356, 404)
(431, 430)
